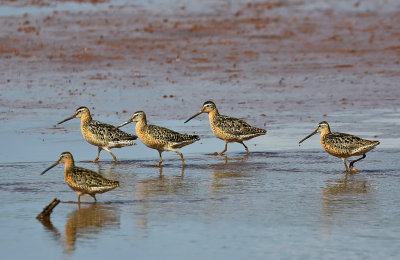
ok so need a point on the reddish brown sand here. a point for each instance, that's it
(276, 61)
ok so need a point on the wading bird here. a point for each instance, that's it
(99, 134)
(228, 128)
(81, 180)
(159, 138)
(342, 145)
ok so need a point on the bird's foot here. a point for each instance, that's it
(353, 170)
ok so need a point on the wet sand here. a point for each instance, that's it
(283, 66)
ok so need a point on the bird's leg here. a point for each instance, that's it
(159, 162)
(226, 147)
(180, 154)
(79, 198)
(98, 155)
(352, 163)
(109, 151)
(115, 158)
(344, 161)
(94, 197)
(245, 147)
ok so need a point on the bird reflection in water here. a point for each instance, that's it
(108, 170)
(344, 196)
(238, 160)
(154, 189)
(160, 185)
(227, 178)
(85, 223)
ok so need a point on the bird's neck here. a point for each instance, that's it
(140, 124)
(323, 133)
(68, 167)
(212, 115)
(86, 118)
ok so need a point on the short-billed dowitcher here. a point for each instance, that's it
(342, 145)
(228, 128)
(81, 180)
(159, 138)
(99, 134)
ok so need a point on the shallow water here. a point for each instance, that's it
(269, 204)
(292, 202)
(284, 66)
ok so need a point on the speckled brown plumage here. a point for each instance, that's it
(104, 136)
(227, 128)
(343, 145)
(233, 129)
(160, 138)
(82, 180)
(346, 145)
(157, 137)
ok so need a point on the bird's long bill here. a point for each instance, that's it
(54, 164)
(193, 117)
(308, 136)
(69, 118)
(125, 123)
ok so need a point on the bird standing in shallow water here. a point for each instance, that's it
(159, 138)
(81, 180)
(99, 134)
(342, 145)
(228, 128)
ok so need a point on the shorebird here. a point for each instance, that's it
(99, 134)
(159, 138)
(228, 128)
(81, 180)
(342, 145)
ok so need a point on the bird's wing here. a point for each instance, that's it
(109, 132)
(89, 179)
(165, 134)
(235, 126)
(345, 141)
